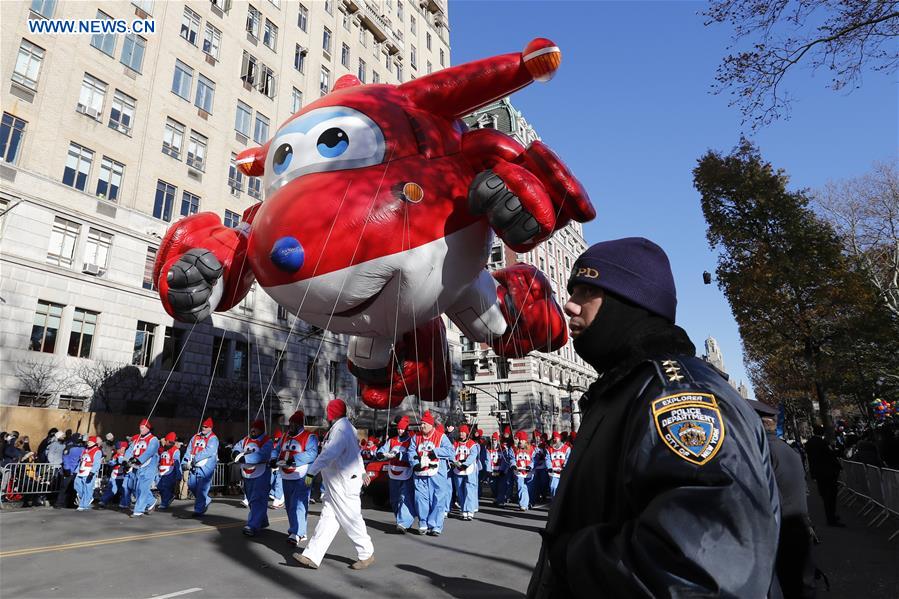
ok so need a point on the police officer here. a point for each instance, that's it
(669, 490)
(200, 459)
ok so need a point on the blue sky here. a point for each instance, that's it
(630, 111)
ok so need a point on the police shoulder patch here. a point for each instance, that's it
(690, 425)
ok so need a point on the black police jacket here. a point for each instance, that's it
(669, 492)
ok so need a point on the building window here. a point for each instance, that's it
(143, 344)
(46, 325)
(399, 72)
(71, 402)
(196, 151)
(240, 361)
(84, 322)
(299, 59)
(190, 203)
(93, 93)
(333, 371)
(469, 371)
(260, 130)
(133, 52)
(430, 68)
(121, 114)
(212, 41)
(248, 68)
(375, 78)
(172, 342)
(165, 197)
(324, 81)
(173, 138)
(144, 5)
(346, 21)
(190, 25)
(62, 242)
(311, 375)
(232, 219)
(253, 17)
(361, 73)
(267, 81)
(96, 252)
(12, 132)
(502, 368)
(235, 176)
(428, 40)
(44, 8)
(412, 23)
(205, 94)
(496, 253)
(110, 180)
(78, 166)
(270, 35)
(303, 18)
(105, 42)
(442, 58)
(243, 119)
(329, 7)
(296, 100)
(345, 55)
(363, 36)
(28, 64)
(254, 187)
(182, 80)
(326, 41)
(412, 57)
(149, 283)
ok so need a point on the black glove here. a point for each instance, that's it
(90, 477)
(134, 462)
(379, 456)
(495, 474)
(432, 455)
(290, 461)
(242, 459)
(273, 463)
(513, 468)
(417, 468)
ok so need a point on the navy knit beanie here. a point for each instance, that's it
(632, 268)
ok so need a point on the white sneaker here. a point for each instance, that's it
(245, 502)
(278, 504)
(293, 540)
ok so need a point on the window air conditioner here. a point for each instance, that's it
(91, 269)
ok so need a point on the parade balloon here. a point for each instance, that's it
(379, 215)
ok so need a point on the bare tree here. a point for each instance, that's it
(43, 379)
(102, 378)
(843, 36)
(865, 212)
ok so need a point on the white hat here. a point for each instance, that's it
(110, 436)
(59, 434)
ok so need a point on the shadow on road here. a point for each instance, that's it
(462, 588)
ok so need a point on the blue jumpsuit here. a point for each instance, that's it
(201, 457)
(169, 475)
(401, 486)
(465, 481)
(85, 479)
(556, 459)
(524, 462)
(146, 450)
(431, 483)
(256, 478)
(297, 452)
(116, 482)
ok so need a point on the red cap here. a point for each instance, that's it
(521, 435)
(336, 409)
(428, 417)
(297, 417)
(507, 430)
(557, 435)
(463, 428)
(123, 445)
(278, 434)
(171, 437)
(480, 432)
(495, 435)
(145, 423)
(93, 439)
(536, 433)
(258, 424)
(207, 423)
(403, 423)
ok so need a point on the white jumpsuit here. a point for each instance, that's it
(342, 470)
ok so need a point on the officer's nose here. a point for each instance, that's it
(572, 309)
(288, 254)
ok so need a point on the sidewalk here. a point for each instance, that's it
(858, 560)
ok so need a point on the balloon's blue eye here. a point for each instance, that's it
(282, 158)
(332, 143)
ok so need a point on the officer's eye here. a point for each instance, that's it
(282, 158)
(332, 143)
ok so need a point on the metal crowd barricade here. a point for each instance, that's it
(856, 481)
(876, 487)
(889, 480)
(27, 478)
(218, 476)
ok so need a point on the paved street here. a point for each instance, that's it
(98, 554)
